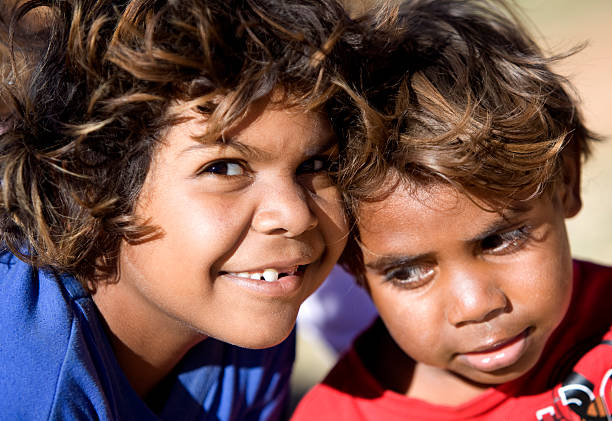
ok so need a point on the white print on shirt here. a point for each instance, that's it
(581, 398)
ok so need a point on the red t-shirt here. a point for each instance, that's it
(572, 380)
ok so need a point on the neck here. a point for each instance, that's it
(441, 387)
(146, 349)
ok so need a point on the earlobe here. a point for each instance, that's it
(571, 198)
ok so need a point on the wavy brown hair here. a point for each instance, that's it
(92, 103)
(470, 100)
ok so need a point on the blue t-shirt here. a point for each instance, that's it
(57, 363)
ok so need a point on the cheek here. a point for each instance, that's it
(544, 279)
(198, 220)
(414, 326)
(327, 205)
(195, 235)
(549, 289)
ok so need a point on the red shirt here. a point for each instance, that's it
(571, 381)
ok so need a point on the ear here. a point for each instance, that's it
(570, 183)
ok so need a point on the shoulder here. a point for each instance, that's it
(597, 363)
(323, 403)
(39, 339)
(35, 326)
(343, 391)
(35, 317)
(358, 371)
(587, 390)
(592, 292)
(592, 272)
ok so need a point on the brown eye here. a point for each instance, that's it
(506, 242)
(315, 164)
(412, 276)
(227, 168)
(492, 242)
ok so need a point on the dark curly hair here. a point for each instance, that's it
(467, 99)
(89, 106)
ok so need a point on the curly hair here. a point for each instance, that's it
(469, 100)
(92, 104)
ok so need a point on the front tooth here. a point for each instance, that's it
(255, 276)
(270, 275)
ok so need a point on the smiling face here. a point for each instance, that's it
(250, 226)
(464, 291)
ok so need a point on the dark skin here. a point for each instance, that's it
(385, 360)
(445, 272)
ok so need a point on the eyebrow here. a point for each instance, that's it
(504, 222)
(243, 149)
(509, 218)
(385, 261)
(328, 145)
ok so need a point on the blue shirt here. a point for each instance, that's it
(57, 362)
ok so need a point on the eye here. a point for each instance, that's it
(410, 276)
(316, 164)
(506, 242)
(225, 168)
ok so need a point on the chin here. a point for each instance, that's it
(503, 375)
(258, 334)
(264, 341)
(493, 379)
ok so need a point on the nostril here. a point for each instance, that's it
(478, 306)
(284, 216)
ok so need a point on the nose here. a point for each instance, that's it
(284, 210)
(475, 297)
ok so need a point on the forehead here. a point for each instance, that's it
(266, 129)
(267, 120)
(408, 205)
(417, 219)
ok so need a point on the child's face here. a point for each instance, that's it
(463, 290)
(261, 201)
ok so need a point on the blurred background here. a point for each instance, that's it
(562, 24)
(558, 25)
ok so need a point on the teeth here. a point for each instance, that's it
(270, 275)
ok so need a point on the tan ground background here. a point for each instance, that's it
(559, 25)
(563, 23)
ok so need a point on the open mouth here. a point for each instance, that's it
(269, 275)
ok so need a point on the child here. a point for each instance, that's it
(483, 314)
(165, 204)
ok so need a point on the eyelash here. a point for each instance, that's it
(307, 167)
(223, 163)
(328, 164)
(400, 276)
(506, 242)
(497, 244)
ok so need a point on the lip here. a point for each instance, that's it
(498, 355)
(279, 269)
(284, 287)
(281, 266)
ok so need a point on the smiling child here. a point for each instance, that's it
(461, 239)
(166, 204)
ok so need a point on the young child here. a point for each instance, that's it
(460, 211)
(166, 204)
